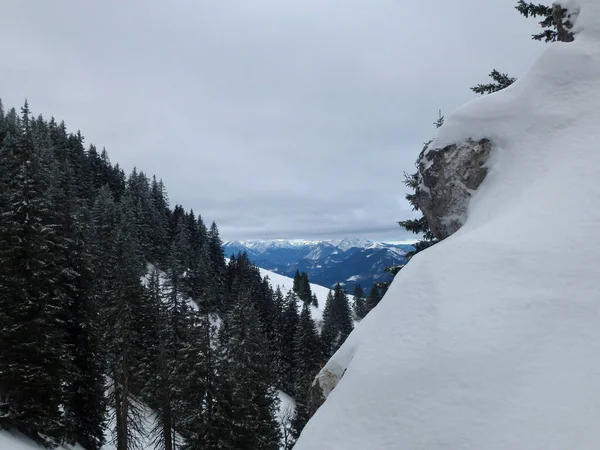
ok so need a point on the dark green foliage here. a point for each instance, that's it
(122, 302)
(309, 360)
(245, 412)
(84, 401)
(302, 287)
(286, 365)
(101, 282)
(500, 81)
(373, 298)
(555, 23)
(359, 306)
(33, 345)
(337, 321)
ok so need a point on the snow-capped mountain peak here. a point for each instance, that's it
(350, 261)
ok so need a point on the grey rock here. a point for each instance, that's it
(448, 177)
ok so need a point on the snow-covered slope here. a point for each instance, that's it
(490, 339)
(10, 441)
(15, 441)
(286, 284)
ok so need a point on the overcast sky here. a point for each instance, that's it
(277, 119)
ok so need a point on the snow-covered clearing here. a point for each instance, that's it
(490, 339)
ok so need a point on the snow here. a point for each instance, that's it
(261, 246)
(347, 244)
(14, 441)
(490, 339)
(286, 284)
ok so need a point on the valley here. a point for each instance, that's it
(326, 262)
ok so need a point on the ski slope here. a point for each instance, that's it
(491, 339)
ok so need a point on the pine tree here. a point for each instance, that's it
(122, 300)
(32, 348)
(287, 363)
(315, 300)
(360, 309)
(337, 320)
(343, 313)
(373, 298)
(329, 330)
(307, 296)
(500, 81)
(248, 400)
(200, 423)
(175, 336)
(84, 402)
(218, 267)
(309, 361)
(556, 23)
(297, 285)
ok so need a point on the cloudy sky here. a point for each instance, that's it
(277, 119)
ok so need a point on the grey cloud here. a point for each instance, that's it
(276, 119)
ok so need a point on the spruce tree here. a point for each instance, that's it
(329, 330)
(248, 399)
(315, 300)
(359, 306)
(343, 313)
(32, 348)
(122, 304)
(500, 81)
(337, 320)
(309, 360)
(373, 298)
(556, 23)
(218, 266)
(307, 296)
(84, 401)
(287, 363)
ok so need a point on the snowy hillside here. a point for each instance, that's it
(490, 339)
(14, 441)
(286, 284)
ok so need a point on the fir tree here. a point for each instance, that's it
(122, 300)
(84, 403)
(315, 300)
(329, 331)
(337, 320)
(556, 22)
(500, 81)
(359, 306)
(248, 402)
(32, 349)
(287, 364)
(309, 360)
(373, 298)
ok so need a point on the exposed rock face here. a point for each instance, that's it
(448, 177)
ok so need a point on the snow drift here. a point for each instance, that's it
(491, 339)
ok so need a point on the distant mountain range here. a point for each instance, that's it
(327, 262)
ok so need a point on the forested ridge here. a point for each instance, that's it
(111, 300)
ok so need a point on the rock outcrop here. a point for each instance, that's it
(448, 177)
